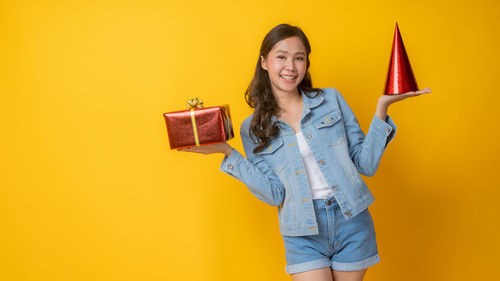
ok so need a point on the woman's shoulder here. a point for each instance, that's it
(329, 94)
(326, 92)
(245, 125)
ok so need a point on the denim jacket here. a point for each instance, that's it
(276, 175)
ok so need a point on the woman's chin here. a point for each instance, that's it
(289, 87)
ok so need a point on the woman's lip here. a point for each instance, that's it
(289, 80)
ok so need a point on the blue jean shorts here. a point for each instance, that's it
(344, 245)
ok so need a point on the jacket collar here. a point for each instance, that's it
(309, 102)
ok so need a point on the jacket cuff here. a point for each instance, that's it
(387, 128)
(230, 164)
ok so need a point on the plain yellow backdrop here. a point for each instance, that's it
(91, 191)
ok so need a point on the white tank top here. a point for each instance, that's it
(317, 182)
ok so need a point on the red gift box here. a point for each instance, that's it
(198, 125)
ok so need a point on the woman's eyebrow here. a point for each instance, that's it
(282, 51)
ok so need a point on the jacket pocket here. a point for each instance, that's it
(274, 154)
(331, 127)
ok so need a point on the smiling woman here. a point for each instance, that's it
(304, 153)
(281, 72)
(287, 65)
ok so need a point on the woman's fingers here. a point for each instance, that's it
(424, 91)
(413, 94)
(190, 149)
(204, 149)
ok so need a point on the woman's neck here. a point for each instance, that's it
(288, 99)
(289, 104)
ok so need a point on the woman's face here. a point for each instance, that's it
(286, 64)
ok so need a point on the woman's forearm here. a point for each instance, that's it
(381, 111)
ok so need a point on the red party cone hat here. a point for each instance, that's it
(400, 78)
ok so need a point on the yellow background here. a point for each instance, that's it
(91, 191)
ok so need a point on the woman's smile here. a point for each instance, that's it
(286, 65)
(289, 78)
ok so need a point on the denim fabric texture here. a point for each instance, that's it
(343, 245)
(277, 176)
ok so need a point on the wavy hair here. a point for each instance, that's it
(259, 94)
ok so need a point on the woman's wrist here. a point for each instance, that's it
(228, 151)
(381, 111)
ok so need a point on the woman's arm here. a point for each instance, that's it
(381, 111)
(254, 172)
(366, 151)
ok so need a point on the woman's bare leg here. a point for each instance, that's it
(320, 274)
(357, 275)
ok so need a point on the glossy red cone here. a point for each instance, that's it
(400, 78)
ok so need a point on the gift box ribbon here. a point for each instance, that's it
(192, 104)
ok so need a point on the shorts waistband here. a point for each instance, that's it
(329, 203)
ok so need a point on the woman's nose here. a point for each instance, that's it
(290, 64)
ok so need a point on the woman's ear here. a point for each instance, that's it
(263, 63)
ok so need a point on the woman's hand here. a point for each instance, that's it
(385, 100)
(223, 148)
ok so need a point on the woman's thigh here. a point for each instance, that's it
(327, 274)
(320, 274)
(357, 275)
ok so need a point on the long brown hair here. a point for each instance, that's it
(259, 94)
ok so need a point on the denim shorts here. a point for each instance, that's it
(344, 245)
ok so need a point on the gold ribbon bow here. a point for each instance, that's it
(191, 105)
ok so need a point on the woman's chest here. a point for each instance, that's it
(292, 119)
(324, 135)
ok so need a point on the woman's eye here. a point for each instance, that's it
(283, 57)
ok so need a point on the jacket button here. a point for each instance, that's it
(348, 214)
(387, 130)
(335, 187)
(230, 166)
(321, 162)
(308, 136)
(328, 203)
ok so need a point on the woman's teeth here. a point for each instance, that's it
(288, 77)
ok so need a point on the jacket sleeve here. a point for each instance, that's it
(366, 151)
(254, 172)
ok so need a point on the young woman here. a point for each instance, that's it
(304, 153)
